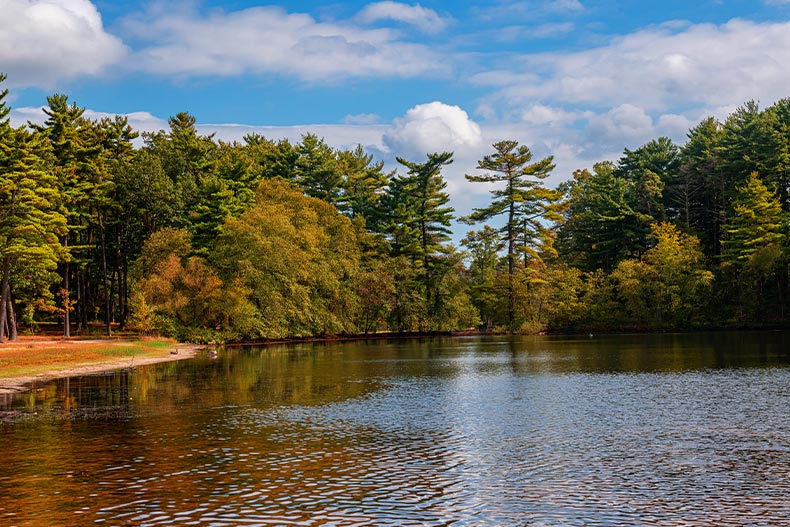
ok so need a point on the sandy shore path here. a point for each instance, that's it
(37, 359)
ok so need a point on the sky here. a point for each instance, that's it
(577, 79)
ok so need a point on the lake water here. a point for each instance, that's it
(669, 430)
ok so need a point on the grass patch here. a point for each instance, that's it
(27, 359)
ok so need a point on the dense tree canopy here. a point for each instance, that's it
(178, 233)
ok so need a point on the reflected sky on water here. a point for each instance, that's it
(689, 429)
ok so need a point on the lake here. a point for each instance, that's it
(633, 430)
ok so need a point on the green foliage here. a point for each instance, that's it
(757, 221)
(485, 268)
(298, 257)
(753, 257)
(602, 225)
(31, 221)
(703, 188)
(363, 187)
(418, 226)
(667, 287)
(652, 171)
(206, 240)
(316, 169)
(524, 201)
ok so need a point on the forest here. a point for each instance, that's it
(178, 234)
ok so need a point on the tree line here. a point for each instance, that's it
(205, 240)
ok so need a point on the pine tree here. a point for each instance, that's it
(30, 219)
(703, 184)
(73, 160)
(757, 222)
(363, 186)
(419, 222)
(524, 201)
(316, 169)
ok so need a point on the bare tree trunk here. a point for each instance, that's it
(123, 289)
(4, 297)
(116, 274)
(13, 331)
(80, 304)
(66, 302)
(107, 317)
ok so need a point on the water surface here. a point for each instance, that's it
(629, 430)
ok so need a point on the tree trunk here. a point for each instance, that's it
(66, 306)
(123, 293)
(13, 331)
(80, 304)
(107, 318)
(511, 267)
(4, 296)
(117, 276)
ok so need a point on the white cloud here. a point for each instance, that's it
(676, 126)
(362, 118)
(432, 127)
(530, 9)
(262, 40)
(426, 20)
(518, 33)
(566, 5)
(43, 42)
(658, 68)
(542, 114)
(336, 135)
(623, 125)
(140, 121)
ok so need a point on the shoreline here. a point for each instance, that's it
(142, 352)
(164, 352)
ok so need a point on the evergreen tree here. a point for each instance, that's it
(363, 186)
(317, 170)
(524, 201)
(484, 269)
(773, 157)
(602, 224)
(652, 170)
(703, 186)
(757, 222)
(420, 220)
(30, 217)
(78, 167)
(753, 254)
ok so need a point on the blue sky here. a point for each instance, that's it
(577, 79)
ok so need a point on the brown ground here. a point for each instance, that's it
(46, 357)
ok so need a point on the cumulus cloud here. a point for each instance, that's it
(424, 19)
(45, 41)
(703, 64)
(268, 39)
(432, 127)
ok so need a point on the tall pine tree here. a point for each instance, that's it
(524, 201)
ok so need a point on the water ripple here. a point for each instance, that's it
(476, 443)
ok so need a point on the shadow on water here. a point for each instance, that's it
(686, 429)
